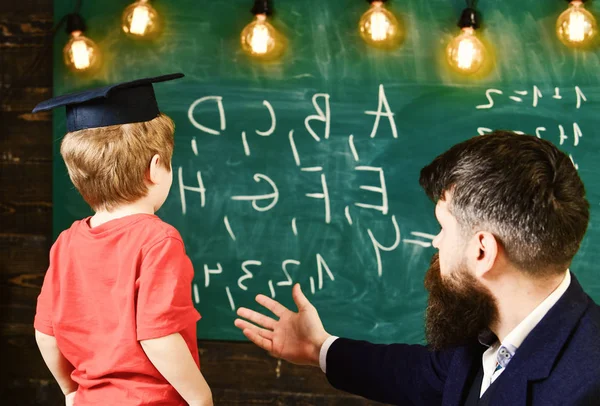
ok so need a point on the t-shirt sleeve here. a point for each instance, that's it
(164, 291)
(45, 302)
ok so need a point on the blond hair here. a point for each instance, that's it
(108, 165)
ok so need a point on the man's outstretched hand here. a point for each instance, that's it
(295, 337)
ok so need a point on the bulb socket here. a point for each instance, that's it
(75, 23)
(262, 7)
(373, 1)
(469, 18)
(571, 1)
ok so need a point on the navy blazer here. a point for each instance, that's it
(557, 364)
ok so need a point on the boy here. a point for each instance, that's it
(115, 321)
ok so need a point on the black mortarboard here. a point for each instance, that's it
(122, 103)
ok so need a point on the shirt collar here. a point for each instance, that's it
(515, 338)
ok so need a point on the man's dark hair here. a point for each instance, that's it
(522, 189)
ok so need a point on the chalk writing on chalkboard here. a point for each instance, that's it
(559, 134)
(536, 95)
(264, 195)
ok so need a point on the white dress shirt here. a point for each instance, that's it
(515, 338)
(508, 347)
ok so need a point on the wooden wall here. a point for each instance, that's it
(239, 373)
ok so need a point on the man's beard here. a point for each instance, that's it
(459, 309)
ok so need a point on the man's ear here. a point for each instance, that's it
(153, 174)
(484, 252)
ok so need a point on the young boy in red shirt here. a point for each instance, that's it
(115, 322)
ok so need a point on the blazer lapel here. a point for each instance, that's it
(536, 356)
(462, 366)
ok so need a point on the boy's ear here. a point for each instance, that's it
(153, 174)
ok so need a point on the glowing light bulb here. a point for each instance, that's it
(576, 27)
(260, 39)
(81, 53)
(140, 20)
(379, 27)
(466, 53)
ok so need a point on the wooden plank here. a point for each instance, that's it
(23, 255)
(22, 354)
(31, 392)
(16, 320)
(256, 370)
(25, 181)
(27, 217)
(23, 8)
(23, 68)
(26, 137)
(21, 276)
(25, 51)
(275, 398)
(18, 307)
(24, 30)
(23, 100)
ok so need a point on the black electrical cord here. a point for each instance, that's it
(262, 7)
(469, 16)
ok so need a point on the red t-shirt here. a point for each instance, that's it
(109, 287)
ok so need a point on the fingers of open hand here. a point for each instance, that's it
(244, 325)
(301, 301)
(257, 318)
(253, 335)
(275, 307)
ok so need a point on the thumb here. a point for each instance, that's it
(301, 301)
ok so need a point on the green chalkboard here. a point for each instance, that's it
(303, 193)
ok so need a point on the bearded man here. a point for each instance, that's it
(507, 322)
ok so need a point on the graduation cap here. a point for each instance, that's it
(122, 103)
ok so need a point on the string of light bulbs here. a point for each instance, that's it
(378, 27)
(81, 54)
